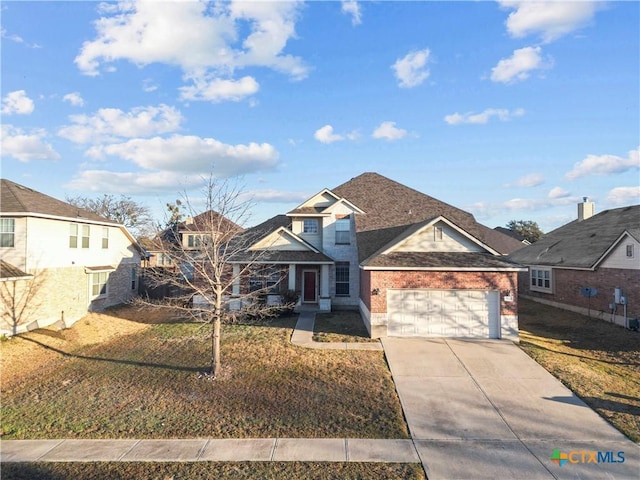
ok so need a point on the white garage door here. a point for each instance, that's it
(443, 313)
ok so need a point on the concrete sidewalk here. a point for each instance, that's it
(211, 450)
(303, 337)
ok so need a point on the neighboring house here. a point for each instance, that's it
(600, 252)
(191, 235)
(411, 265)
(511, 233)
(59, 261)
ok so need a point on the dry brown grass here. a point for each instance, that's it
(148, 384)
(209, 470)
(598, 361)
(340, 326)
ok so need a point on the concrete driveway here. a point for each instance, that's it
(484, 409)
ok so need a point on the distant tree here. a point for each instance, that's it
(133, 215)
(527, 228)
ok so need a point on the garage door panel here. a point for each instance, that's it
(443, 313)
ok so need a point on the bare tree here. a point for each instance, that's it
(19, 299)
(206, 281)
(124, 210)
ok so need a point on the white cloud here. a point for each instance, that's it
(605, 165)
(192, 154)
(550, 19)
(502, 114)
(389, 131)
(17, 39)
(351, 7)
(217, 90)
(130, 183)
(519, 66)
(528, 181)
(558, 192)
(326, 135)
(276, 196)
(110, 124)
(74, 99)
(411, 70)
(148, 85)
(17, 102)
(25, 146)
(624, 195)
(207, 41)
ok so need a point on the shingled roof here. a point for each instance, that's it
(18, 199)
(581, 244)
(388, 204)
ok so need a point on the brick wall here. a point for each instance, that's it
(567, 284)
(383, 280)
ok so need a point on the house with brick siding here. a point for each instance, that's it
(57, 261)
(590, 265)
(411, 264)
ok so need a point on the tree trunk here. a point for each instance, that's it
(215, 346)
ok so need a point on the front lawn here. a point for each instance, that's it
(598, 361)
(148, 385)
(340, 326)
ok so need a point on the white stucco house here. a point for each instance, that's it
(57, 262)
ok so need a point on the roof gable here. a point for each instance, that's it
(283, 240)
(581, 244)
(317, 204)
(422, 238)
(18, 199)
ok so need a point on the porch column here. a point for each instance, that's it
(324, 281)
(292, 276)
(235, 288)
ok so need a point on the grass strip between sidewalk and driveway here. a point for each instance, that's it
(597, 360)
(149, 384)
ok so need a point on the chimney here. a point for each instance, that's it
(586, 209)
(189, 220)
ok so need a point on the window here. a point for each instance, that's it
(134, 277)
(85, 236)
(73, 235)
(541, 279)
(629, 251)
(105, 237)
(342, 278)
(343, 231)
(99, 284)
(194, 241)
(7, 232)
(437, 234)
(267, 280)
(310, 225)
(163, 259)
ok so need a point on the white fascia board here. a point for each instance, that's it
(445, 269)
(64, 219)
(321, 192)
(346, 202)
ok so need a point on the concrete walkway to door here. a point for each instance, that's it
(484, 409)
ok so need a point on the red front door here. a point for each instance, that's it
(309, 290)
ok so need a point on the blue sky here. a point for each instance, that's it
(509, 110)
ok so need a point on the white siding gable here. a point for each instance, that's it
(438, 237)
(618, 258)
(280, 240)
(322, 199)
